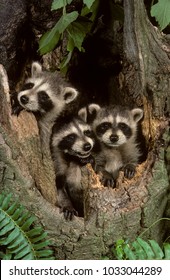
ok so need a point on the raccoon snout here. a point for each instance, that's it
(87, 147)
(114, 138)
(24, 99)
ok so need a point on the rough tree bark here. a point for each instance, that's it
(110, 214)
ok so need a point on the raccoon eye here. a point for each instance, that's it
(67, 142)
(27, 86)
(123, 126)
(43, 96)
(125, 129)
(88, 133)
(71, 137)
(102, 128)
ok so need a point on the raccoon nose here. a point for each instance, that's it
(24, 99)
(87, 147)
(114, 138)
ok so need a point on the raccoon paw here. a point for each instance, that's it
(89, 159)
(16, 107)
(69, 212)
(110, 183)
(16, 110)
(129, 171)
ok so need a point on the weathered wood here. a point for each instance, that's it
(110, 214)
(21, 139)
(146, 69)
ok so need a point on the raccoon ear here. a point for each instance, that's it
(82, 113)
(137, 114)
(93, 108)
(69, 94)
(36, 69)
(88, 113)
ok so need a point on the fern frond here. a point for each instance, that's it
(167, 251)
(19, 239)
(147, 249)
(141, 250)
(156, 249)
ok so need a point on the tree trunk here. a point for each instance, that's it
(110, 214)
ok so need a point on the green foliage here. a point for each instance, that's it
(161, 12)
(19, 239)
(88, 3)
(75, 25)
(141, 250)
(58, 4)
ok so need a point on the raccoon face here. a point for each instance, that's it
(113, 134)
(75, 139)
(45, 91)
(114, 127)
(36, 96)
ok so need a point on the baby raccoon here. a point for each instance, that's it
(71, 146)
(115, 128)
(48, 96)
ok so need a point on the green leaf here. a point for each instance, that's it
(49, 41)
(88, 3)
(70, 44)
(161, 11)
(26, 250)
(139, 252)
(77, 31)
(119, 251)
(12, 236)
(41, 245)
(148, 250)
(6, 201)
(22, 218)
(65, 21)
(29, 256)
(16, 214)
(4, 222)
(57, 4)
(12, 208)
(51, 38)
(19, 248)
(6, 257)
(2, 216)
(94, 10)
(28, 222)
(7, 228)
(20, 239)
(167, 251)
(129, 254)
(157, 250)
(39, 238)
(64, 63)
(44, 253)
(34, 232)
